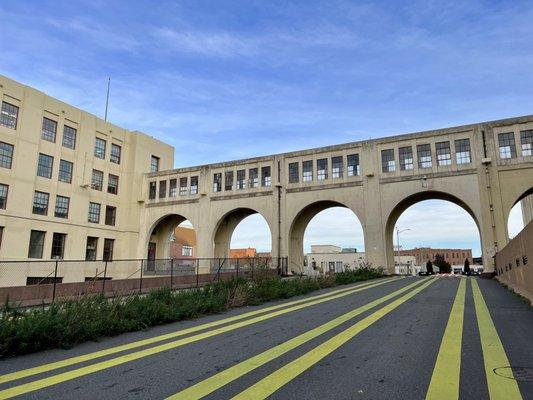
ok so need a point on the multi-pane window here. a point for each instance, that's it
(116, 151)
(194, 185)
(49, 129)
(172, 188)
(507, 145)
(183, 187)
(94, 212)
(65, 171)
(322, 169)
(58, 245)
(266, 179)
(423, 152)
(6, 155)
(9, 115)
(112, 184)
(186, 251)
(336, 167)
(253, 175)
(162, 189)
(241, 179)
(35, 248)
(97, 180)
(4, 189)
(110, 215)
(526, 139)
(151, 190)
(388, 164)
(91, 248)
(45, 165)
(406, 158)
(444, 154)
(62, 206)
(109, 244)
(228, 180)
(294, 175)
(99, 148)
(69, 137)
(462, 151)
(40, 203)
(307, 171)
(154, 164)
(217, 182)
(353, 164)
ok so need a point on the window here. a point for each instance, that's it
(294, 175)
(336, 167)
(194, 185)
(9, 115)
(228, 180)
(91, 248)
(462, 151)
(97, 180)
(99, 148)
(65, 171)
(424, 155)
(58, 245)
(45, 165)
(162, 189)
(406, 158)
(241, 179)
(172, 188)
(151, 190)
(322, 169)
(69, 137)
(1, 234)
(94, 212)
(6, 155)
(266, 179)
(154, 164)
(444, 154)
(526, 139)
(307, 171)
(49, 130)
(40, 203)
(112, 184)
(353, 165)
(186, 251)
(110, 215)
(109, 244)
(4, 189)
(35, 249)
(253, 174)
(217, 182)
(507, 145)
(183, 187)
(388, 164)
(116, 150)
(62, 206)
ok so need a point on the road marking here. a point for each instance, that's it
(493, 352)
(284, 375)
(444, 383)
(76, 373)
(129, 346)
(216, 381)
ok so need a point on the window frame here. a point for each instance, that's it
(526, 142)
(463, 154)
(307, 171)
(4, 194)
(184, 189)
(64, 173)
(115, 157)
(9, 118)
(266, 176)
(111, 188)
(154, 163)
(110, 218)
(97, 180)
(55, 246)
(321, 169)
(405, 155)
(48, 134)
(337, 167)
(37, 197)
(506, 145)
(353, 164)
(6, 155)
(443, 152)
(39, 246)
(388, 161)
(99, 151)
(42, 168)
(93, 206)
(91, 249)
(65, 206)
(69, 137)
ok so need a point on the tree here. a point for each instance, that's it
(444, 266)
(467, 267)
(429, 267)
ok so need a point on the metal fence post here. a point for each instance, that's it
(141, 280)
(237, 267)
(55, 279)
(197, 270)
(171, 272)
(105, 274)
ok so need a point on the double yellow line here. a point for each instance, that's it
(235, 322)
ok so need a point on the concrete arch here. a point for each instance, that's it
(160, 231)
(509, 207)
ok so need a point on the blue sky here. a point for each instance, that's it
(223, 80)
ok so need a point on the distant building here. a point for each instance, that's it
(242, 253)
(423, 254)
(183, 243)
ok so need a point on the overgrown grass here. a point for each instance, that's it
(66, 323)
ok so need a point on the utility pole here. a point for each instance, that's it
(398, 231)
(107, 98)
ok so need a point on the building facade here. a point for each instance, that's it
(456, 257)
(183, 243)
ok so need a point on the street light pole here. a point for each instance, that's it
(398, 231)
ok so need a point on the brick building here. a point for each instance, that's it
(453, 256)
(184, 244)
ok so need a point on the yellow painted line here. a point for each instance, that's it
(76, 373)
(129, 346)
(493, 352)
(444, 383)
(284, 375)
(215, 382)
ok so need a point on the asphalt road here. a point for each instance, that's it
(394, 338)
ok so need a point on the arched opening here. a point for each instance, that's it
(326, 236)
(521, 214)
(172, 236)
(436, 227)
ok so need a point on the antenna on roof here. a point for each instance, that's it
(107, 98)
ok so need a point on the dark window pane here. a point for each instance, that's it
(110, 215)
(162, 189)
(507, 145)
(58, 245)
(6, 155)
(294, 174)
(99, 148)
(322, 169)
(154, 164)
(9, 115)
(307, 171)
(116, 151)
(462, 151)
(69, 137)
(45, 165)
(65, 171)
(91, 248)
(112, 184)
(444, 154)
(241, 179)
(97, 180)
(337, 167)
(62, 206)
(388, 164)
(353, 165)
(151, 190)
(253, 176)
(49, 130)
(35, 249)
(406, 158)
(4, 189)
(109, 244)
(94, 212)
(194, 184)
(217, 182)
(40, 203)
(266, 179)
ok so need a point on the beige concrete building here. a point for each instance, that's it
(527, 209)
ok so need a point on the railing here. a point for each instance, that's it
(33, 282)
